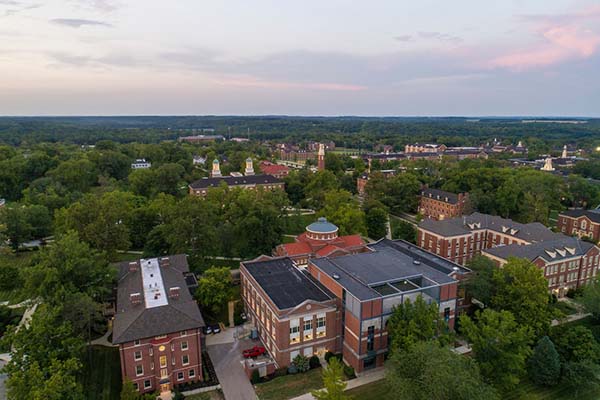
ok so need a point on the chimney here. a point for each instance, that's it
(136, 298)
(216, 169)
(164, 262)
(249, 167)
(174, 292)
(133, 266)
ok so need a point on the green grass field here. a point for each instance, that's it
(376, 390)
(101, 373)
(289, 386)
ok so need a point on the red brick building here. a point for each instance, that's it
(361, 181)
(438, 204)
(157, 326)
(459, 239)
(567, 263)
(276, 170)
(292, 312)
(320, 240)
(356, 294)
(581, 223)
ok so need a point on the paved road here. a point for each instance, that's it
(2, 382)
(226, 358)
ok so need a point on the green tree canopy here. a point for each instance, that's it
(427, 371)
(214, 288)
(500, 346)
(544, 364)
(333, 382)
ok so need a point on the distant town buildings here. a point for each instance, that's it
(199, 139)
(439, 204)
(140, 163)
(320, 239)
(580, 223)
(342, 304)
(314, 146)
(249, 181)
(425, 148)
(158, 326)
(276, 170)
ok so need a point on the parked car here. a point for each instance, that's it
(215, 328)
(207, 330)
(254, 352)
(243, 316)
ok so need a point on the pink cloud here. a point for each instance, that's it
(260, 83)
(561, 38)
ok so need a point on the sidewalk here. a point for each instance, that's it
(364, 379)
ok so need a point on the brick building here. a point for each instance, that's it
(320, 240)
(249, 181)
(581, 223)
(459, 239)
(293, 313)
(158, 326)
(276, 170)
(354, 294)
(567, 262)
(362, 180)
(438, 204)
(425, 148)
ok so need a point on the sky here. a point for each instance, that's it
(309, 57)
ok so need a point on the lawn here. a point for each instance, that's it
(564, 307)
(289, 386)
(214, 395)
(376, 390)
(101, 373)
(525, 391)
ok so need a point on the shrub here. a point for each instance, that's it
(314, 362)
(349, 372)
(328, 355)
(255, 377)
(280, 372)
(544, 364)
(572, 293)
(292, 369)
(302, 363)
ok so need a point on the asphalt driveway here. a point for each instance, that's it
(227, 360)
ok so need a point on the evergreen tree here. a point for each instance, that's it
(544, 364)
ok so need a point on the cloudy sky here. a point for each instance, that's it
(309, 57)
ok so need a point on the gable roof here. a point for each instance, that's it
(440, 195)
(142, 320)
(553, 250)
(531, 232)
(593, 215)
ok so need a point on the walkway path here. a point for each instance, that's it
(364, 379)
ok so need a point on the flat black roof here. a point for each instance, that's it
(286, 285)
(235, 181)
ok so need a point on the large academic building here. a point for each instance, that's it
(342, 304)
(567, 262)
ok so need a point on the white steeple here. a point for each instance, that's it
(249, 167)
(216, 169)
(548, 165)
(564, 152)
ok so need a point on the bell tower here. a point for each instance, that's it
(216, 169)
(249, 167)
(321, 157)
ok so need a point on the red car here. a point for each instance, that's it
(254, 352)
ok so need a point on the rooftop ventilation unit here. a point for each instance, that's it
(416, 262)
(335, 276)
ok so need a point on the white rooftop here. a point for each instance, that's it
(154, 289)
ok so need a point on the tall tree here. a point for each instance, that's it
(333, 382)
(480, 284)
(591, 298)
(411, 323)
(500, 346)
(376, 220)
(427, 371)
(544, 364)
(16, 226)
(342, 209)
(520, 287)
(214, 288)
